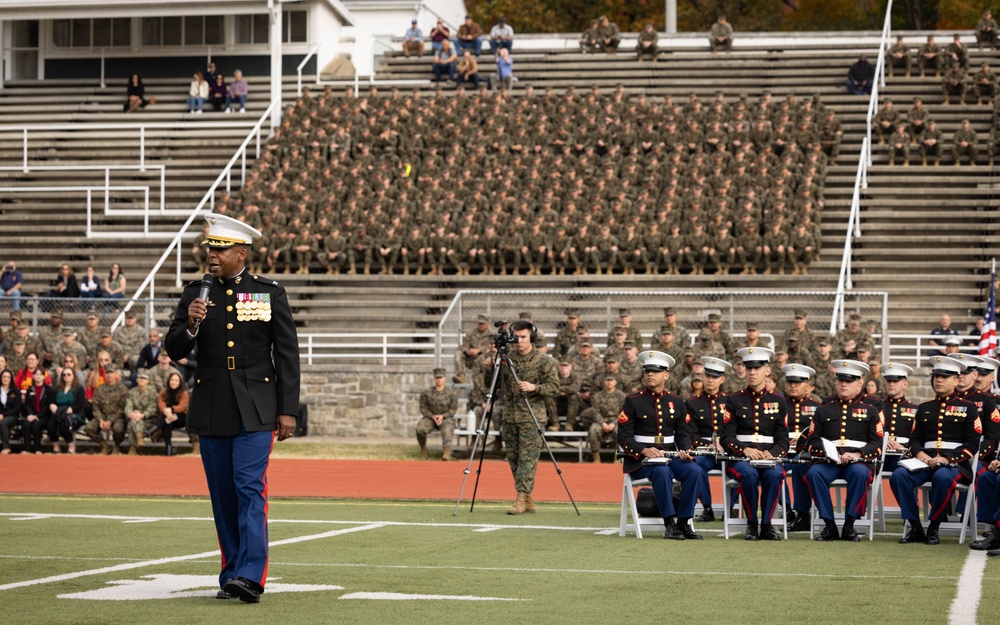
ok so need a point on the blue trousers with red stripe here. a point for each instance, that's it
(943, 482)
(769, 480)
(988, 496)
(800, 489)
(236, 468)
(858, 475)
(707, 463)
(692, 479)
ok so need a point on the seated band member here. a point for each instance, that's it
(945, 435)
(798, 389)
(897, 413)
(754, 428)
(652, 422)
(856, 429)
(988, 474)
(707, 409)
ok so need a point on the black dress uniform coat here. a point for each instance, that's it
(990, 417)
(800, 414)
(948, 419)
(707, 414)
(248, 356)
(648, 414)
(847, 422)
(749, 414)
(899, 414)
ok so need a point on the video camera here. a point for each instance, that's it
(504, 337)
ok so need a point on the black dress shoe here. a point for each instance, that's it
(989, 531)
(767, 532)
(829, 534)
(689, 533)
(223, 594)
(707, 516)
(751, 533)
(932, 538)
(674, 533)
(993, 552)
(800, 524)
(850, 535)
(986, 544)
(915, 535)
(244, 589)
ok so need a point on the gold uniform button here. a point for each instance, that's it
(229, 291)
(229, 309)
(199, 380)
(267, 379)
(230, 343)
(229, 326)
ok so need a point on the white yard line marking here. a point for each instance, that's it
(970, 589)
(398, 596)
(194, 556)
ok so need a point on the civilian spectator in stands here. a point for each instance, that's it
(469, 37)
(197, 94)
(501, 36)
(647, 43)
(147, 356)
(10, 408)
(964, 142)
(860, 77)
(468, 71)
(588, 39)
(218, 92)
(68, 409)
(36, 412)
(505, 70)
(953, 84)
(608, 36)
(721, 36)
(70, 362)
(930, 143)
(899, 56)
(211, 74)
(975, 334)
(943, 329)
(136, 95)
(413, 40)
(985, 84)
(25, 377)
(986, 30)
(115, 284)
(444, 62)
(96, 376)
(929, 55)
(90, 284)
(439, 34)
(11, 282)
(173, 406)
(238, 92)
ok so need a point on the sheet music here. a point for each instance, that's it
(912, 464)
(830, 448)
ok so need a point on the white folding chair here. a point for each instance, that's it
(628, 507)
(968, 520)
(872, 497)
(739, 522)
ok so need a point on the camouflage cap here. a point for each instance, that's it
(801, 313)
(714, 317)
(610, 358)
(624, 312)
(621, 330)
(666, 330)
(669, 310)
(573, 313)
(524, 315)
(15, 315)
(142, 374)
(629, 344)
(130, 314)
(439, 372)
(92, 315)
(482, 319)
(56, 313)
(753, 325)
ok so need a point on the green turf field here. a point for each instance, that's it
(378, 563)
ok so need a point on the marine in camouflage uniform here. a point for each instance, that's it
(141, 399)
(69, 346)
(566, 337)
(567, 400)
(132, 338)
(799, 331)
(91, 334)
(437, 403)
(109, 407)
(605, 406)
(537, 372)
(158, 375)
(850, 339)
(476, 342)
(51, 336)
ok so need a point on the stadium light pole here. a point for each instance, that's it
(671, 16)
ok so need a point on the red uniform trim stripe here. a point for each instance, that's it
(267, 560)
(944, 504)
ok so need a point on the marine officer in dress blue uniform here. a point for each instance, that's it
(897, 413)
(855, 428)
(652, 422)
(798, 389)
(946, 433)
(706, 410)
(246, 391)
(755, 428)
(988, 475)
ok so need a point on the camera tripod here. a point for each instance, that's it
(503, 362)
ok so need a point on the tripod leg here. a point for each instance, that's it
(482, 433)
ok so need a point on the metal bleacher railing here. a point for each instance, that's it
(844, 282)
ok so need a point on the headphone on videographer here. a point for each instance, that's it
(524, 324)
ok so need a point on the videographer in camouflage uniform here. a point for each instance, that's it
(520, 433)
(437, 410)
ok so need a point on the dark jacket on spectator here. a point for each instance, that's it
(12, 408)
(861, 72)
(72, 288)
(31, 406)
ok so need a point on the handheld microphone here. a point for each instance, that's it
(206, 284)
